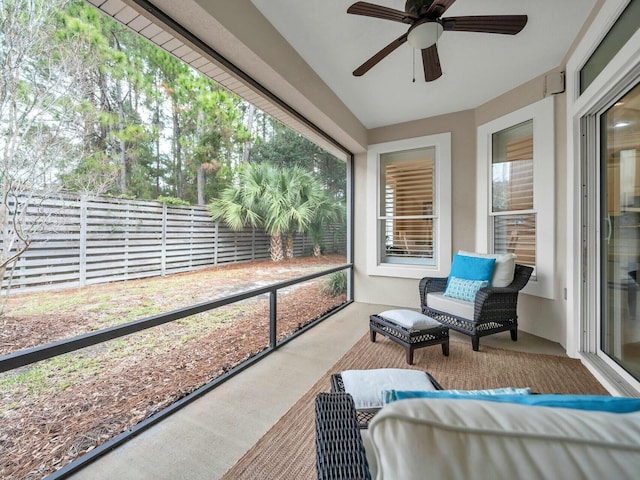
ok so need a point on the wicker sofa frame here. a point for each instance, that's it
(495, 308)
(340, 451)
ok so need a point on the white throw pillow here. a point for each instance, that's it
(409, 319)
(503, 270)
(366, 386)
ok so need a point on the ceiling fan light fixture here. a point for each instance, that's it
(423, 35)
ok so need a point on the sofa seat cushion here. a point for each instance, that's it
(462, 439)
(454, 306)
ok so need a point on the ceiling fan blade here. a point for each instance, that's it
(378, 11)
(438, 7)
(431, 63)
(506, 24)
(372, 62)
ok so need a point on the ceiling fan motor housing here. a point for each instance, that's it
(417, 7)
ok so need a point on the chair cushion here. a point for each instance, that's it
(472, 268)
(464, 289)
(454, 306)
(502, 441)
(366, 386)
(409, 319)
(504, 267)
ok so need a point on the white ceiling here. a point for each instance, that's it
(476, 67)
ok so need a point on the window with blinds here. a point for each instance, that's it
(512, 193)
(407, 213)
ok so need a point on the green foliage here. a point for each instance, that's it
(335, 284)
(139, 123)
(287, 148)
(281, 200)
(172, 200)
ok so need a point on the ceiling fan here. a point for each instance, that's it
(426, 24)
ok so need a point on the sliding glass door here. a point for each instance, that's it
(620, 232)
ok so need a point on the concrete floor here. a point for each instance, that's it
(205, 438)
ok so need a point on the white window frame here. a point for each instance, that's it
(542, 114)
(441, 208)
(583, 305)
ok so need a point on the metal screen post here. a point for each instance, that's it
(273, 324)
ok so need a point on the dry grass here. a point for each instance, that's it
(56, 410)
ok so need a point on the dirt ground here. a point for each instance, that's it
(57, 410)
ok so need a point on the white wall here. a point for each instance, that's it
(404, 292)
(542, 317)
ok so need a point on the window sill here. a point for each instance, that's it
(408, 271)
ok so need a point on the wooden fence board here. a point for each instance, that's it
(94, 240)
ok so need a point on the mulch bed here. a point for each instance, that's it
(104, 390)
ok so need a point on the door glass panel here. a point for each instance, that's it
(620, 319)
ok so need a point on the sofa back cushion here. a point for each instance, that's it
(462, 439)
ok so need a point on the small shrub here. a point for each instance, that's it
(335, 284)
(172, 200)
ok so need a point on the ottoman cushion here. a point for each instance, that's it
(367, 386)
(409, 319)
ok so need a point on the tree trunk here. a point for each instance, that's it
(276, 248)
(246, 146)
(289, 246)
(200, 183)
(317, 250)
(122, 145)
(177, 154)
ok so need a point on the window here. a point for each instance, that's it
(516, 191)
(406, 208)
(410, 230)
(626, 25)
(512, 211)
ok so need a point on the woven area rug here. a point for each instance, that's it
(287, 450)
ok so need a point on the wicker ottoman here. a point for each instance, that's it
(410, 329)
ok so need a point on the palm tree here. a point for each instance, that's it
(280, 200)
(328, 213)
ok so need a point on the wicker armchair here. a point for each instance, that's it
(495, 308)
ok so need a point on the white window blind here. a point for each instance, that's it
(407, 206)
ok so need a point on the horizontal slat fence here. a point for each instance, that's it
(96, 239)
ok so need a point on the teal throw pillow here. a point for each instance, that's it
(472, 268)
(602, 403)
(464, 289)
(393, 395)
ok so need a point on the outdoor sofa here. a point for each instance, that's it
(454, 438)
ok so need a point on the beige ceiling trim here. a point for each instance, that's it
(203, 58)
